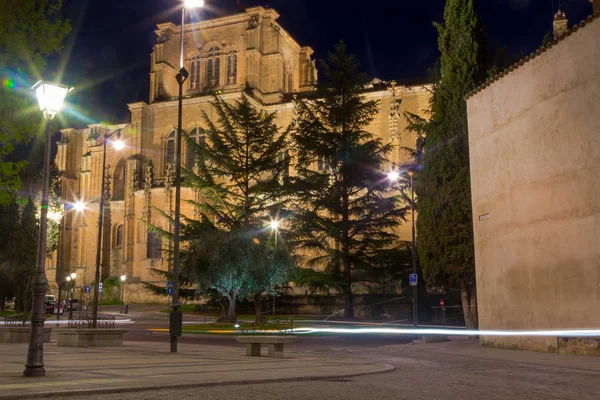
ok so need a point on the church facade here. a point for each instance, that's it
(244, 54)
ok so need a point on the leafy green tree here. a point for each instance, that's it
(30, 31)
(18, 261)
(345, 210)
(238, 171)
(444, 225)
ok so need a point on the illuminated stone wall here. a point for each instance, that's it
(534, 138)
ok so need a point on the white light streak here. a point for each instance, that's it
(456, 332)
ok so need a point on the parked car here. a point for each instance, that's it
(50, 307)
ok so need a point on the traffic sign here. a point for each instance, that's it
(412, 279)
(88, 289)
(442, 303)
(170, 290)
(169, 284)
(100, 287)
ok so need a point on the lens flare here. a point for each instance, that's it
(9, 83)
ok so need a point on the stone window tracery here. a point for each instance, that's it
(119, 236)
(153, 245)
(232, 67)
(170, 155)
(195, 73)
(213, 67)
(191, 151)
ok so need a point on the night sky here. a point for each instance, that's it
(108, 51)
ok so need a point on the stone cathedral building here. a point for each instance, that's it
(247, 53)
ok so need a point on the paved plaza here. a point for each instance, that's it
(451, 370)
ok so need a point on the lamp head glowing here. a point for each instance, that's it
(79, 206)
(118, 145)
(193, 3)
(68, 279)
(73, 275)
(274, 225)
(393, 176)
(123, 277)
(50, 97)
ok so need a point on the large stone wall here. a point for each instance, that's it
(534, 138)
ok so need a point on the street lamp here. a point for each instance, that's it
(72, 276)
(118, 145)
(50, 98)
(176, 317)
(123, 278)
(394, 176)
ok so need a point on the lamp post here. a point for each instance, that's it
(50, 98)
(72, 279)
(175, 317)
(394, 176)
(123, 278)
(274, 225)
(118, 145)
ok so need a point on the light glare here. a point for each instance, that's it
(50, 97)
(73, 275)
(274, 225)
(79, 206)
(118, 145)
(123, 277)
(393, 176)
(194, 3)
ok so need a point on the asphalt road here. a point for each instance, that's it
(423, 372)
(145, 320)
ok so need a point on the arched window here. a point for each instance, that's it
(232, 67)
(190, 158)
(119, 236)
(153, 245)
(170, 156)
(213, 67)
(195, 73)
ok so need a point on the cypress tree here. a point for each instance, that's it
(445, 224)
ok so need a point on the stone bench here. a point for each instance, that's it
(20, 334)
(89, 337)
(274, 342)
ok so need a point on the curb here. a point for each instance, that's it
(83, 392)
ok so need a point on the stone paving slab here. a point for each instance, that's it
(142, 366)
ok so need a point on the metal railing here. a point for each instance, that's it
(86, 320)
(271, 327)
(18, 320)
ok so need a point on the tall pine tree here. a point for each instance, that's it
(444, 226)
(345, 213)
(239, 170)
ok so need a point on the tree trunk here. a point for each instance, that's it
(223, 305)
(468, 295)
(348, 300)
(259, 317)
(231, 309)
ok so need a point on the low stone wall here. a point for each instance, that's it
(14, 334)
(88, 337)
(573, 346)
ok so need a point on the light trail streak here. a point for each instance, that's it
(455, 332)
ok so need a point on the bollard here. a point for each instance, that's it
(126, 308)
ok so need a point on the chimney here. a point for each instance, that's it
(596, 5)
(560, 24)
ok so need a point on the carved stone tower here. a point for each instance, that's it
(560, 24)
